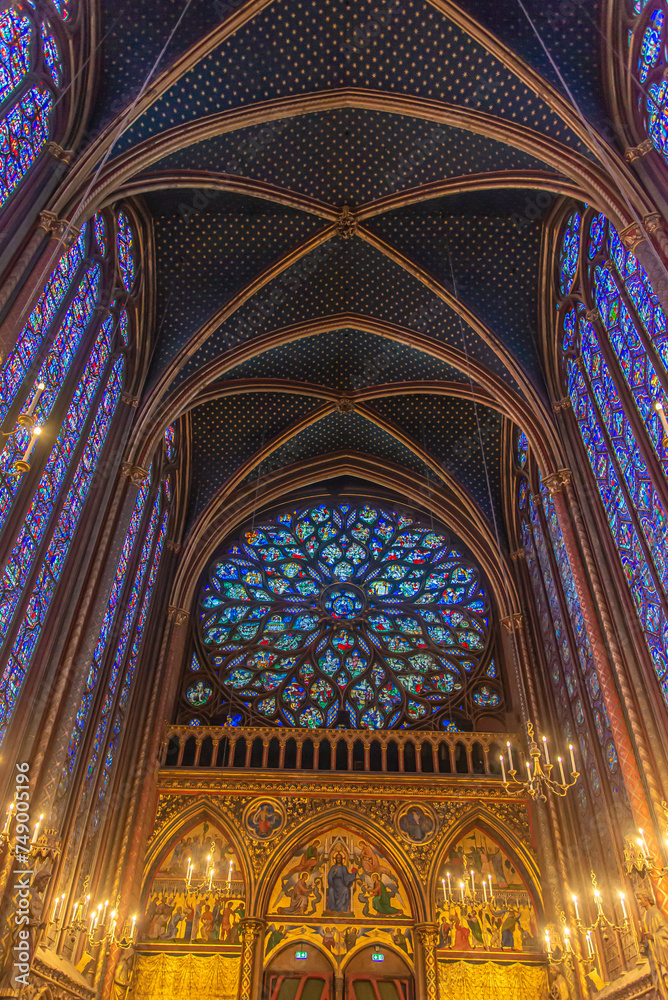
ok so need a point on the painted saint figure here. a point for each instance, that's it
(340, 882)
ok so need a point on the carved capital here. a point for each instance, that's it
(593, 315)
(173, 546)
(251, 929)
(556, 482)
(58, 153)
(177, 615)
(514, 623)
(346, 224)
(345, 405)
(562, 404)
(130, 399)
(103, 312)
(518, 556)
(134, 473)
(635, 152)
(427, 935)
(632, 236)
(656, 225)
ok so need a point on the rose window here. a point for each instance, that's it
(344, 609)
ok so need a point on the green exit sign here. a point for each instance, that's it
(377, 956)
(301, 954)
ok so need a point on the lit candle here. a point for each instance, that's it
(55, 908)
(590, 946)
(461, 889)
(643, 844)
(561, 771)
(447, 875)
(575, 904)
(547, 752)
(229, 874)
(31, 444)
(529, 770)
(10, 809)
(548, 943)
(112, 927)
(132, 929)
(503, 768)
(190, 868)
(510, 755)
(472, 883)
(622, 899)
(36, 831)
(491, 891)
(573, 767)
(484, 889)
(92, 924)
(567, 938)
(210, 878)
(597, 897)
(444, 893)
(36, 398)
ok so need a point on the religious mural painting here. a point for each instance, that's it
(483, 903)
(339, 891)
(198, 892)
(264, 818)
(416, 824)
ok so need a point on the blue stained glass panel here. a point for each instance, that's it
(100, 233)
(15, 35)
(570, 253)
(107, 623)
(124, 245)
(49, 575)
(24, 131)
(657, 116)
(51, 375)
(130, 670)
(52, 55)
(170, 443)
(15, 368)
(650, 47)
(21, 558)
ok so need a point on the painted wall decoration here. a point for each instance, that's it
(416, 823)
(197, 895)
(339, 876)
(483, 904)
(264, 818)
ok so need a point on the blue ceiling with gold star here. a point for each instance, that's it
(347, 200)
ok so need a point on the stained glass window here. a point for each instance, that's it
(613, 363)
(49, 381)
(124, 245)
(27, 98)
(47, 579)
(130, 672)
(100, 234)
(21, 357)
(649, 60)
(15, 34)
(170, 443)
(570, 253)
(105, 632)
(351, 609)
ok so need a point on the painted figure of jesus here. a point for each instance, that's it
(340, 882)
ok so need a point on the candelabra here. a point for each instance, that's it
(96, 928)
(602, 922)
(638, 859)
(44, 846)
(540, 780)
(207, 882)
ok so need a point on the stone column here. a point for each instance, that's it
(626, 752)
(426, 966)
(252, 936)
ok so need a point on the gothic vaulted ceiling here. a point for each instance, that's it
(347, 202)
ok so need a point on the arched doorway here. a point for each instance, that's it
(376, 973)
(299, 972)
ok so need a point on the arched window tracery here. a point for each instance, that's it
(350, 608)
(613, 346)
(33, 87)
(73, 400)
(647, 64)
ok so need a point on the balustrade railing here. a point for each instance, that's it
(347, 750)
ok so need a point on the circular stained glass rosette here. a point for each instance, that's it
(352, 609)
